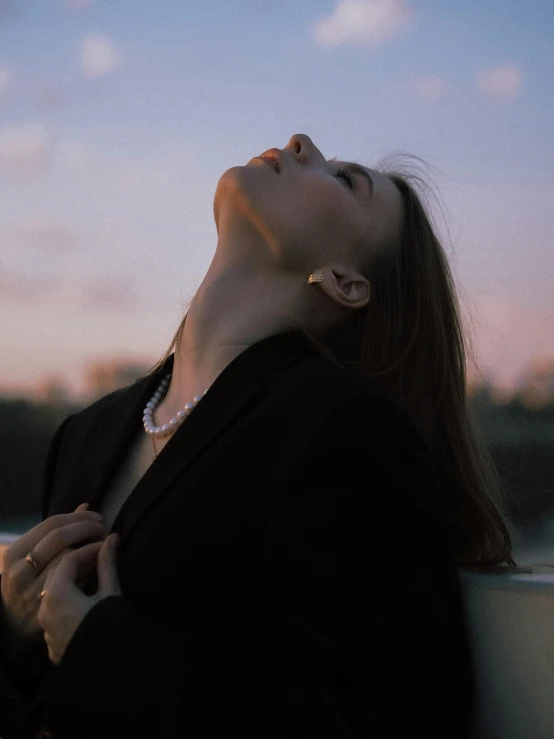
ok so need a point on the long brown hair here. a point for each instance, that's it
(409, 340)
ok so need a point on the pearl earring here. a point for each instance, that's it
(315, 277)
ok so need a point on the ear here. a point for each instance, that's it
(345, 286)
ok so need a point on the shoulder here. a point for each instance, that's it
(361, 432)
(352, 419)
(322, 405)
(322, 391)
(360, 414)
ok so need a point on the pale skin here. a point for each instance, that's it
(274, 230)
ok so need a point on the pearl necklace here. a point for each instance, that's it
(176, 421)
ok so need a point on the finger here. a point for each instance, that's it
(37, 587)
(82, 507)
(22, 546)
(108, 580)
(66, 537)
(57, 541)
(76, 564)
(40, 582)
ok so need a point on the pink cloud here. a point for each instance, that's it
(502, 81)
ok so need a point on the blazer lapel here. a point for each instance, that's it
(238, 385)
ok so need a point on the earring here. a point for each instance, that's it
(315, 277)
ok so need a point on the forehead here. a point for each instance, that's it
(384, 187)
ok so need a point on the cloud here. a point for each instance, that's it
(5, 80)
(371, 22)
(112, 293)
(502, 81)
(431, 86)
(24, 289)
(24, 151)
(41, 234)
(99, 55)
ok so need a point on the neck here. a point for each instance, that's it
(230, 311)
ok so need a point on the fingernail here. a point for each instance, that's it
(82, 507)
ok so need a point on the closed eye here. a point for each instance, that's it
(346, 175)
(359, 170)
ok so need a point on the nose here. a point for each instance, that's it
(303, 148)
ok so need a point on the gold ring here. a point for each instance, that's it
(32, 560)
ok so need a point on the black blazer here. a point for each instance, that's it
(283, 569)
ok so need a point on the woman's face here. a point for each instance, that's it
(308, 212)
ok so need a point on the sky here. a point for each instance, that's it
(117, 120)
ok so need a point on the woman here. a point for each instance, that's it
(286, 567)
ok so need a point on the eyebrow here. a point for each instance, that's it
(359, 170)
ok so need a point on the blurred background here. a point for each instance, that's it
(118, 119)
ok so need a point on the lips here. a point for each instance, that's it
(272, 163)
(275, 156)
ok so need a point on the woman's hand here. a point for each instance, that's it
(63, 606)
(23, 579)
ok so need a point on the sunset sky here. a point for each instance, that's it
(117, 120)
